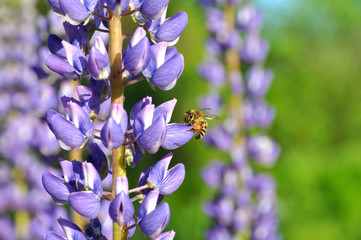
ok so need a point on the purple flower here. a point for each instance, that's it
(257, 113)
(98, 62)
(97, 158)
(211, 100)
(166, 236)
(121, 209)
(213, 173)
(153, 220)
(258, 81)
(263, 149)
(254, 49)
(171, 29)
(72, 232)
(137, 54)
(153, 9)
(151, 128)
(113, 131)
(165, 66)
(248, 18)
(214, 72)
(66, 59)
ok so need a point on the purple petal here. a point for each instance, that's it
(53, 236)
(75, 11)
(71, 230)
(56, 6)
(176, 135)
(165, 109)
(89, 98)
(73, 172)
(154, 223)
(148, 204)
(214, 72)
(55, 46)
(121, 209)
(112, 134)
(137, 107)
(64, 130)
(143, 120)
(152, 137)
(166, 76)
(159, 170)
(172, 180)
(60, 66)
(166, 236)
(85, 203)
(153, 9)
(136, 58)
(58, 189)
(172, 28)
(98, 64)
(121, 185)
(98, 158)
(120, 116)
(92, 179)
(80, 118)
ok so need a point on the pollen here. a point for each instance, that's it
(197, 127)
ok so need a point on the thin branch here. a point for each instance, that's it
(130, 142)
(130, 227)
(101, 17)
(128, 13)
(133, 81)
(102, 30)
(139, 188)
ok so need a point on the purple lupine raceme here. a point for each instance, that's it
(245, 204)
(96, 119)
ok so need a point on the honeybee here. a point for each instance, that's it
(196, 118)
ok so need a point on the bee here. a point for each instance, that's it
(196, 118)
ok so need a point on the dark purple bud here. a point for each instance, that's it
(137, 55)
(166, 181)
(166, 236)
(172, 28)
(76, 35)
(151, 139)
(214, 72)
(58, 189)
(121, 209)
(166, 76)
(153, 8)
(98, 158)
(98, 62)
(68, 135)
(258, 81)
(60, 66)
(86, 203)
(263, 150)
(177, 135)
(88, 98)
(154, 223)
(71, 230)
(254, 49)
(75, 11)
(55, 46)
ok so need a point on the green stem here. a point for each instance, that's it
(117, 97)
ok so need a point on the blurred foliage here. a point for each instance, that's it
(316, 57)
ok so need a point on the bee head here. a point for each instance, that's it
(188, 117)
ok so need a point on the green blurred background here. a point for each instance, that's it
(316, 57)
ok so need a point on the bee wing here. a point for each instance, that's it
(210, 116)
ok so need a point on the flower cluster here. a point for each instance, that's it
(26, 143)
(95, 118)
(245, 206)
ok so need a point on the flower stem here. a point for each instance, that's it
(140, 188)
(117, 97)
